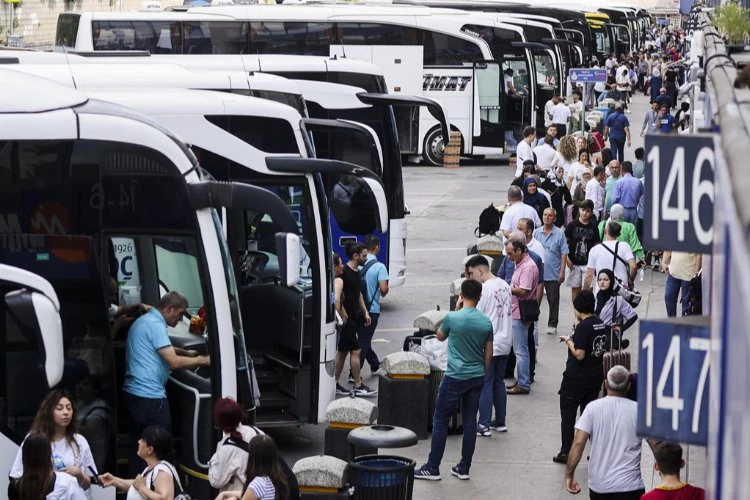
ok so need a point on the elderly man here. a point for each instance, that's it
(615, 460)
(556, 249)
(628, 232)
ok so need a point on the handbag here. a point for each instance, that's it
(624, 290)
(529, 310)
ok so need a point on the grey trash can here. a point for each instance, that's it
(382, 477)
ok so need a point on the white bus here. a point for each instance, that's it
(232, 136)
(94, 195)
(320, 79)
(437, 53)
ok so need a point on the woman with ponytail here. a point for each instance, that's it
(39, 480)
(226, 469)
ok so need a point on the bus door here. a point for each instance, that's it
(518, 107)
(488, 119)
(31, 354)
(576, 48)
(349, 142)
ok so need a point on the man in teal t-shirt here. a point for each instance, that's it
(469, 335)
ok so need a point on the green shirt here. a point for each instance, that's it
(627, 235)
(468, 332)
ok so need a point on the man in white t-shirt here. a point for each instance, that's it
(560, 115)
(610, 254)
(595, 191)
(615, 460)
(495, 303)
(516, 211)
(523, 150)
(545, 152)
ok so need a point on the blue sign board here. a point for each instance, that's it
(679, 198)
(673, 369)
(587, 75)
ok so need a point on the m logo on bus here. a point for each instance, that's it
(445, 83)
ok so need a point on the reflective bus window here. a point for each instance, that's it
(272, 37)
(155, 37)
(221, 38)
(270, 135)
(177, 269)
(377, 34)
(446, 50)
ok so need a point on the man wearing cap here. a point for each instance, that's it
(615, 460)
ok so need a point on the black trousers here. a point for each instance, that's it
(570, 402)
(624, 495)
(510, 367)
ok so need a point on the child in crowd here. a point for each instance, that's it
(668, 464)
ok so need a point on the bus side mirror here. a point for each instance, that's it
(288, 251)
(36, 313)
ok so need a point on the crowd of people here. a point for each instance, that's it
(575, 217)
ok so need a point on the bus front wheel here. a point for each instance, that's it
(434, 147)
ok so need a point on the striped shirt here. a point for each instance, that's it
(263, 488)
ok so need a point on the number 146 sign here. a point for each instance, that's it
(679, 197)
(673, 369)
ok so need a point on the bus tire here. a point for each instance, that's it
(434, 147)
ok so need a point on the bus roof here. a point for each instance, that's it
(30, 94)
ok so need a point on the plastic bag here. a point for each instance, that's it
(436, 352)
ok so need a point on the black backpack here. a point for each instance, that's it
(489, 221)
(291, 479)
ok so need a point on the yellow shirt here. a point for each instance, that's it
(684, 266)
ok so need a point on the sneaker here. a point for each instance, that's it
(483, 431)
(457, 472)
(560, 458)
(499, 427)
(425, 473)
(350, 379)
(552, 330)
(364, 391)
(341, 390)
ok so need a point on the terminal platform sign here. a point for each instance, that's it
(587, 75)
(673, 377)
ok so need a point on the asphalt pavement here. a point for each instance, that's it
(445, 205)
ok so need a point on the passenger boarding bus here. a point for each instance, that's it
(429, 52)
(233, 135)
(110, 207)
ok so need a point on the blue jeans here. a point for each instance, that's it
(510, 139)
(494, 392)
(672, 289)
(521, 348)
(144, 412)
(453, 392)
(618, 148)
(630, 215)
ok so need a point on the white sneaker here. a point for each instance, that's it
(552, 330)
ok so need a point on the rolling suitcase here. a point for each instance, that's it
(615, 355)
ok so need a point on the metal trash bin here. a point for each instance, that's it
(382, 477)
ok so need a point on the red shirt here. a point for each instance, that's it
(687, 492)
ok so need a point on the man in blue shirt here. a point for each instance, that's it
(628, 192)
(617, 128)
(376, 281)
(469, 335)
(556, 250)
(665, 121)
(149, 358)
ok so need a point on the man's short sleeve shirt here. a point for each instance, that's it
(468, 332)
(146, 372)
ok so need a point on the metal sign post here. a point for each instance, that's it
(586, 75)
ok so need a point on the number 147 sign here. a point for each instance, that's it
(679, 197)
(673, 369)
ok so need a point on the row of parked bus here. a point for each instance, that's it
(225, 153)
(454, 52)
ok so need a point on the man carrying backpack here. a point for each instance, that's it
(374, 286)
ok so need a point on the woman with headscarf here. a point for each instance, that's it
(558, 190)
(611, 308)
(532, 196)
